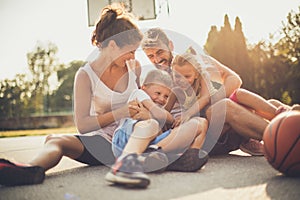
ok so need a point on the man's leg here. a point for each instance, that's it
(243, 121)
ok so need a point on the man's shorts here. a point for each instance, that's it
(123, 133)
(228, 141)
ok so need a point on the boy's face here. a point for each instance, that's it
(158, 93)
(160, 55)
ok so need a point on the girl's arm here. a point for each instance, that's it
(201, 102)
(82, 103)
(171, 101)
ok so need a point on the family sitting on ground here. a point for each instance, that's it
(167, 123)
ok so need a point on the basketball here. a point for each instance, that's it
(282, 143)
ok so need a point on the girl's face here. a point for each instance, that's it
(158, 93)
(185, 75)
(125, 53)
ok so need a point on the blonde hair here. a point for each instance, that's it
(160, 77)
(187, 58)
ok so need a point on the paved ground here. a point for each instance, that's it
(236, 176)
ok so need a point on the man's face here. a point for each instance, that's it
(161, 56)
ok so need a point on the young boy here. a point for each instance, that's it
(134, 135)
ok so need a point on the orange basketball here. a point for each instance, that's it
(282, 143)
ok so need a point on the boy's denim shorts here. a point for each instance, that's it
(122, 135)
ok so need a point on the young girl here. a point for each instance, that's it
(195, 90)
(192, 90)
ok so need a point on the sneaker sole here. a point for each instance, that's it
(155, 163)
(250, 152)
(189, 162)
(28, 176)
(139, 180)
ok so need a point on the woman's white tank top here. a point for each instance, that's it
(105, 100)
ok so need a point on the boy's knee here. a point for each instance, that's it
(147, 128)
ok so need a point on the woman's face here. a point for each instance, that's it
(125, 53)
(185, 75)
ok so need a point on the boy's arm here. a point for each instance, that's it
(158, 113)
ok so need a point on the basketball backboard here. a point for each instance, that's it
(142, 9)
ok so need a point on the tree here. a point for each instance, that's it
(289, 48)
(62, 98)
(15, 97)
(229, 47)
(42, 63)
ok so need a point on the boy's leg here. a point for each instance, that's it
(143, 133)
(128, 169)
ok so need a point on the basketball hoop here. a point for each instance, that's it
(142, 9)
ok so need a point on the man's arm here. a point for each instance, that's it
(229, 79)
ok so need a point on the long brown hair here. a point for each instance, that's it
(116, 24)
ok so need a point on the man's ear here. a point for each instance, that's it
(171, 45)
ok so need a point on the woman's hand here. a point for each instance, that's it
(133, 108)
(143, 113)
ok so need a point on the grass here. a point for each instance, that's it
(36, 132)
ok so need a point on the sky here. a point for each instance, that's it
(65, 23)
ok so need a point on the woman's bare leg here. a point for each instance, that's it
(55, 148)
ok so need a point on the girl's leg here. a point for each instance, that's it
(143, 133)
(189, 133)
(55, 148)
(261, 106)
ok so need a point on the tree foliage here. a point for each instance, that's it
(62, 98)
(229, 47)
(271, 70)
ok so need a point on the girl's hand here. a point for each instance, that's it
(132, 63)
(185, 117)
(176, 122)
